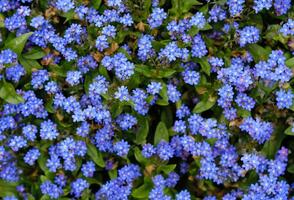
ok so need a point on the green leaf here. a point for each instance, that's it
(144, 69)
(96, 4)
(290, 169)
(142, 192)
(112, 174)
(243, 113)
(176, 8)
(186, 5)
(204, 9)
(89, 79)
(204, 104)
(17, 44)
(167, 168)
(68, 15)
(30, 197)
(153, 73)
(205, 66)
(45, 197)
(34, 54)
(2, 25)
(116, 109)
(166, 73)
(42, 164)
(143, 131)
(49, 105)
(29, 64)
(8, 93)
(180, 7)
(161, 133)
(271, 147)
(258, 53)
(95, 155)
(290, 62)
(289, 131)
(139, 157)
(7, 188)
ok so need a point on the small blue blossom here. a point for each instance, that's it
(73, 77)
(17, 142)
(191, 77)
(50, 189)
(48, 130)
(30, 131)
(39, 78)
(216, 14)
(248, 35)
(257, 129)
(244, 101)
(235, 7)
(88, 169)
(164, 150)
(121, 148)
(156, 17)
(262, 4)
(284, 98)
(126, 121)
(122, 94)
(179, 126)
(172, 93)
(154, 87)
(145, 49)
(31, 156)
(14, 73)
(64, 5)
(288, 28)
(182, 112)
(198, 20)
(109, 31)
(198, 47)
(78, 186)
(282, 6)
(148, 150)
(102, 42)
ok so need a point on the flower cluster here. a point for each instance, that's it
(122, 99)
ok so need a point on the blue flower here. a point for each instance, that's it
(88, 169)
(257, 129)
(248, 35)
(172, 93)
(198, 47)
(126, 121)
(262, 4)
(154, 87)
(156, 17)
(282, 6)
(50, 189)
(31, 156)
(198, 20)
(48, 130)
(122, 94)
(73, 77)
(121, 148)
(148, 150)
(284, 98)
(65, 5)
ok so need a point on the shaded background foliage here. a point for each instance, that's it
(158, 124)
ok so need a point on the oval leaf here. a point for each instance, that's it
(8, 93)
(204, 105)
(17, 44)
(95, 155)
(161, 133)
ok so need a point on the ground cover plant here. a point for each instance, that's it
(142, 99)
